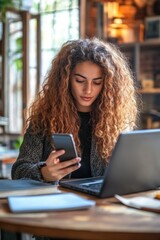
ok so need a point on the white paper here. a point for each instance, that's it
(140, 202)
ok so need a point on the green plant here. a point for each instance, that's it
(18, 142)
(4, 4)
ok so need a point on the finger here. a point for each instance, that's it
(54, 155)
(58, 153)
(52, 162)
(56, 160)
(65, 171)
(54, 174)
(55, 164)
(66, 164)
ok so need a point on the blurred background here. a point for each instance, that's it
(32, 32)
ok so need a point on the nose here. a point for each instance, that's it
(88, 87)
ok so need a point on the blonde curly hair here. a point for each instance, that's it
(114, 110)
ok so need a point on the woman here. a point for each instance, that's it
(89, 92)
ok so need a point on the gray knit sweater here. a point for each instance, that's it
(36, 149)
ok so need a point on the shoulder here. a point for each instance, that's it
(35, 135)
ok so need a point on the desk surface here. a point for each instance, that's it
(107, 220)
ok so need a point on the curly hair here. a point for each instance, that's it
(114, 110)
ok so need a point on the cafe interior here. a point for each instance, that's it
(27, 47)
(32, 32)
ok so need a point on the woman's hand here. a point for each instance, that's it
(56, 170)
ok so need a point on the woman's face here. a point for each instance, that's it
(86, 84)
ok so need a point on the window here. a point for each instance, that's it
(62, 21)
(33, 38)
(14, 66)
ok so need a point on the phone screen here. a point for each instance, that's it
(66, 142)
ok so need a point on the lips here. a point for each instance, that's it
(86, 98)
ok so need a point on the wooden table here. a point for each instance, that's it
(107, 220)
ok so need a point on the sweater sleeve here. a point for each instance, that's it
(30, 157)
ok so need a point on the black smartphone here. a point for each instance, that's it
(66, 142)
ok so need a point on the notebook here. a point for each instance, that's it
(53, 202)
(17, 187)
(134, 167)
(21, 184)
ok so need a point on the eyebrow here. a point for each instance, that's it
(77, 74)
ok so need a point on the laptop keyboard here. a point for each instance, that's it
(95, 186)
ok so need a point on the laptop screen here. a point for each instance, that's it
(134, 166)
(135, 163)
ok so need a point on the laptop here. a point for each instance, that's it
(134, 167)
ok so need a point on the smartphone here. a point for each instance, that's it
(66, 142)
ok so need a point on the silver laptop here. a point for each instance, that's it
(134, 167)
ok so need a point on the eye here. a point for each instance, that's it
(97, 83)
(79, 81)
